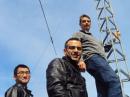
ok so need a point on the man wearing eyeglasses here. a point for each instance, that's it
(22, 77)
(107, 82)
(63, 74)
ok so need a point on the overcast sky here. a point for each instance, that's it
(24, 37)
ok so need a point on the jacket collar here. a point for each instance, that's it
(25, 88)
(71, 62)
(21, 85)
(86, 32)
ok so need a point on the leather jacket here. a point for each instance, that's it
(64, 79)
(18, 90)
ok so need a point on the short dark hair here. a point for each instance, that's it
(84, 15)
(72, 38)
(18, 66)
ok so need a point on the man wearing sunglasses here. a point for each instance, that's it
(107, 82)
(22, 77)
(63, 74)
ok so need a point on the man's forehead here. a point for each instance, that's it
(74, 42)
(23, 69)
(85, 18)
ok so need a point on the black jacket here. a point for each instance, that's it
(64, 79)
(18, 90)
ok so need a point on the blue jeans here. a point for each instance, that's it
(107, 82)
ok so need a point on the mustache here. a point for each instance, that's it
(77, 53)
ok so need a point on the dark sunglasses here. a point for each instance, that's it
(74, 47)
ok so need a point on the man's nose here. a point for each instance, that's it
(75, 49)
(25, 74)
(87, 22)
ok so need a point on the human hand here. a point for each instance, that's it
(82, 66)
(117, 34)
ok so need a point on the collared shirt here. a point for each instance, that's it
(90, 44)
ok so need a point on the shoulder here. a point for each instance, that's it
(8, 92)
(55, 68)
(55, 61)
(77, 35)
(55, 64)
(13, 90)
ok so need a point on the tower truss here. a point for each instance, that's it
(111, 40)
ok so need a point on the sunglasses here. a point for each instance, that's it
(74, 47)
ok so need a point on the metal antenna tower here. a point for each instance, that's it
(111, 42)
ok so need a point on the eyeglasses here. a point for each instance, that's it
(23, 72)
(74, 47)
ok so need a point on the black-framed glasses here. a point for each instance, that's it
(23, 72)
(74, 47)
